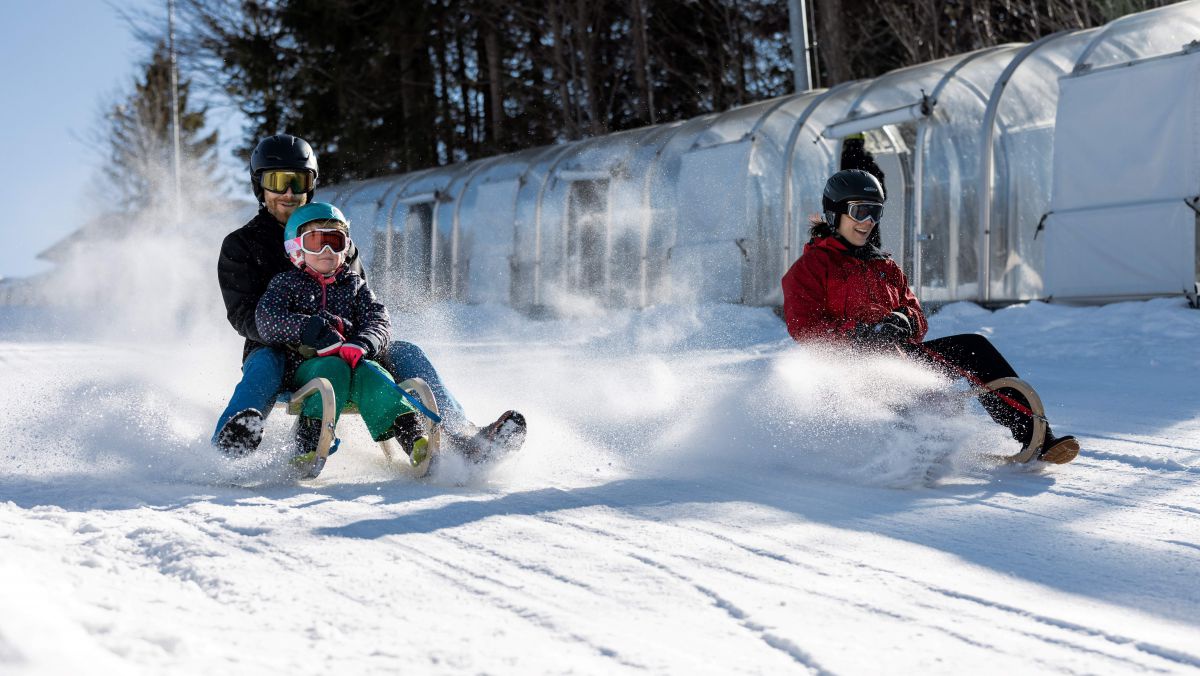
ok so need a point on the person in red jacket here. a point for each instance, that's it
(845, 290)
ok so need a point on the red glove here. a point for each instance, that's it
(351, 353)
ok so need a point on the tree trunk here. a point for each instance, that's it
(496, 109)
(831, 41)
(641, 62)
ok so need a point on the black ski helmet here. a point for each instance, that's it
(851, 185)
(282, 151)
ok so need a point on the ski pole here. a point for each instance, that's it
(416, 402)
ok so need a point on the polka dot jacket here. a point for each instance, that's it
(294, 296)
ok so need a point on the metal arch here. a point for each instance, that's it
(790, 150)
(644, 137)
(537, 216)
(784, 156)
(358, 187)
(918, 166)
(536, 157)
(454, 216)
(987, 157)
(635, 137)
(894, 75)
(783, 100)
(1108, 29)
(451, 176)
(962, 60)
(705, 122)
(668, 132)
(389, 223)
(413, 177)
(669, 129)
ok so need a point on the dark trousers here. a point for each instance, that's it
(976, 355)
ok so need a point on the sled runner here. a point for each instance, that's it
(1034, 409)
(416, 466)
(1005, 389)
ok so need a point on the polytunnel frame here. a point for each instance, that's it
(668, 131)
(537, 213)
(918, 156)
(637, 135)
(697, 127)
(400, 198)
(398, 189)
(547, 152)
(534, 155)
(1081, 63)
(388, 232)
(987, 157)
(345, 196)
(789, 151)
(455, 231)
(923, 131)
(434, 249)
(753, 135)
(701, 123)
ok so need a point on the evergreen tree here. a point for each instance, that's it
(139, 142)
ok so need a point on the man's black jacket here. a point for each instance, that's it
(250, 257)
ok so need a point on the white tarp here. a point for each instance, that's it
(1126, 156)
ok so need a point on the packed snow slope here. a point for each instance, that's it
(697, 495)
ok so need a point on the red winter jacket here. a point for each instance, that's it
(828, 291)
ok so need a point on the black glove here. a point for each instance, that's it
(320, 336)
(892, 329)
(339, 324)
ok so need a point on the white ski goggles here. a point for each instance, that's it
(317, 240)
(860, 212)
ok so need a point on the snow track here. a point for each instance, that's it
(691, 500)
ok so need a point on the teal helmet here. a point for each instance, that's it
(316, 211)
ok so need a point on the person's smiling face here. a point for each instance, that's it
(282, 204)
(854, 232)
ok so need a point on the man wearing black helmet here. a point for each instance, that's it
(846, 290)
(283, 176)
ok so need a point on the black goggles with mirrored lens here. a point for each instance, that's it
(279, 180)
(861, 211)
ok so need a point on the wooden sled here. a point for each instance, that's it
(1030, 451)
(414, 467)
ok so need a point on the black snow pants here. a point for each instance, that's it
(977, 356)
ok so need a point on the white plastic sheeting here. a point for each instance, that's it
(1125, 162)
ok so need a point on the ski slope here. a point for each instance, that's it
(697, 495)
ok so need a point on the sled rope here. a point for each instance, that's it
(974, 380)
(437, 419)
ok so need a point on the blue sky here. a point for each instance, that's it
(61, 59)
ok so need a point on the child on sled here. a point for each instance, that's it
(333, 327)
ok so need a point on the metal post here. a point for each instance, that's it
(178, 205)
(798, 18)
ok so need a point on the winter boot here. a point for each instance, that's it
(304, 454)
(1058, 450)
(242, 434)
(504, 436)
(410, 434)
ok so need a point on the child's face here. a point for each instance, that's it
(325, 262)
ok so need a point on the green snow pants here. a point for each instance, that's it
(368, 386)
